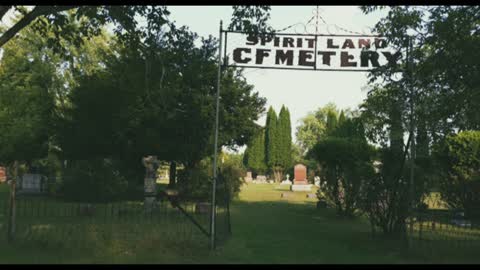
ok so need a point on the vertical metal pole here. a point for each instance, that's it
(215, 154)
(412, 129)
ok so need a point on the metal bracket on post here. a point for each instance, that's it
(215, 154)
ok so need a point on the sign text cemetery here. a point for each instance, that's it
(308, 52)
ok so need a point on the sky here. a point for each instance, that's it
(300, 90)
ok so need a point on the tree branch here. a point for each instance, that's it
(28, 18)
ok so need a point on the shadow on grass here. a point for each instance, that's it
(296, 232)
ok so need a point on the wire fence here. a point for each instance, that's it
(52, 222)
(434, 230)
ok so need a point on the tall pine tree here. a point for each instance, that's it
(285, 137)
(331, 123)
(271, 138)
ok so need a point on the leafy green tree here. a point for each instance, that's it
(346, 164)
(346, 160)
(26, 105)
(45, 19)
(458, 162)
(444, 69)
(170, 117)
(312, 127)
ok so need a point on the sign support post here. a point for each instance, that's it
(215, 150)
(412, 129)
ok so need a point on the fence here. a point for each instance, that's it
(48, 221)
(434, 230)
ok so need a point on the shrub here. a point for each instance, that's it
(95, 180)
(195, 184)
(458, 158)
(345, 166)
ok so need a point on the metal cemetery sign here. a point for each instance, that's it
(308, 52)
(298, 52)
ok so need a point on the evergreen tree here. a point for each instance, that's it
(271, 139)
(285, 135)
(341, 118)
(331, 122)
(255, 154)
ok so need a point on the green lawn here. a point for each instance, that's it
(266, 229)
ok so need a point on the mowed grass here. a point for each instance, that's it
(266, 229)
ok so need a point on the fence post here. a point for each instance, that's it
(12, 206)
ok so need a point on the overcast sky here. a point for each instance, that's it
(301, 91)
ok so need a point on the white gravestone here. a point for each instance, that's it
(286, 181)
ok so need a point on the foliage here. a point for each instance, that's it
(26, 103)
(346, 165)
(459, 162)
(95, 180)
(445, 56)
(441, 74)
(138, 114)
(271, 138)
(229, 181)
(278, 141)
(285, 138)
(254, 157)
(313, 126)
(195, 184)
(251, 19)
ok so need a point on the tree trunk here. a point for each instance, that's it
(172, 174)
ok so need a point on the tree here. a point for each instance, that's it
(346, 159)
(26, 105)
(444, 55)
(346, 166)
(285, 138)
(458, 161)
(29, 90)
(312, 127)
(442, 75)
(273, 144)
(255, 154)
(332, 122)
(168, 116)
(53, 18)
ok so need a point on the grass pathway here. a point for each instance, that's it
(269, 229)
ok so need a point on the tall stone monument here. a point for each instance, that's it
(150, 191)
(300, 182)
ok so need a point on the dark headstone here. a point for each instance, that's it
(203, 208)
